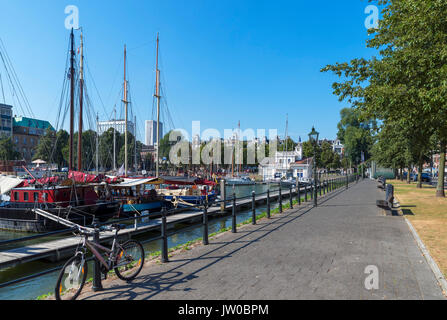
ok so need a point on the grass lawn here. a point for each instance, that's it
(428, 215)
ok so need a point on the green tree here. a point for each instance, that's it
(7, 151)
(406, 84)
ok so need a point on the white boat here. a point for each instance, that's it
(240, 181)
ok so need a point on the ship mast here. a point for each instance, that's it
(72, 84)
(125, 120)
(157, 95)
(81, 94)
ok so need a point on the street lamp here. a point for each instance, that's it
(313, 138)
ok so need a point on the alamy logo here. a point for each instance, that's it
(372, 21)
(72, 20)
(372, 280)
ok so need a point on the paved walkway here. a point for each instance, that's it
(304, 253)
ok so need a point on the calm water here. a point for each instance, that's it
(33, 288)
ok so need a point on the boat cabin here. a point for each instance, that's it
(59, 195)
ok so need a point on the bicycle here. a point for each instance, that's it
(125, 259)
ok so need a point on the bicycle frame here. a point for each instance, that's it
(94, 247)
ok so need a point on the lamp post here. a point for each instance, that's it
(313, 138)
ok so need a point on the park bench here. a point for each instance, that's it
(387, 204)
(381, 183)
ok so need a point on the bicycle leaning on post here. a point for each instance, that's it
(125, 259)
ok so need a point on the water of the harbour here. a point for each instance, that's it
(31, 289)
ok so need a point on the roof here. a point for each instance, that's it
(32, 123)
(303, 161)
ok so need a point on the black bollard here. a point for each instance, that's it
(97, 284)
(164, 235)
(233, 228)
(291, 199)
(298, 192)
(205, 224)
(268, 204)
(305, 193)
(253, 208)
(280, 199)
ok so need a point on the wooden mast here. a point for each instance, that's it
(72, 84)
(157, 95)
(125, 120)
(81, 96)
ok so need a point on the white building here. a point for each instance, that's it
(151, 132)
(338, 147)
(286, 165)
(118, 125)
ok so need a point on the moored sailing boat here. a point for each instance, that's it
(78, 201)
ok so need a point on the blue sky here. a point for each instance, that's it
(221, 61)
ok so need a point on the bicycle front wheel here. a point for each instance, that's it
(129, 260)
(71, 278)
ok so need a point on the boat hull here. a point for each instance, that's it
(16, 217)
(155, 206)
(195, 200)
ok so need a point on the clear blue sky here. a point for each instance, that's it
(221, 61)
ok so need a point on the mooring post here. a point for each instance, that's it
(164, 235)
(291, 199)
(253, 208)
(233, 227)
(223, 196)
(268, 203)
(97, 284)
(347, 181)
(298, 191)
(205, 223)
(305, 193)
(312, 187)
(280, 198)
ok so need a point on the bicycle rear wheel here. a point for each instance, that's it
(71, 278)
(129, 260)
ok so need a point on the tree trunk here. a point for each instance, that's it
(441, 170)
(420, 174)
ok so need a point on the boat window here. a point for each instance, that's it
(25, 196)
(16, 196)
(36, 196)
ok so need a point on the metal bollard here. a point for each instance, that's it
(298, 192)
(233, 227)
(280, 199)
(97, 284)
(205, 224)
(291, 199)
(253, 208)
(347, 182)
(312, 187)
(164, 235)
(305, 193)
(268, 204)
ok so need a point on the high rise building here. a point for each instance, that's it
(6, 120)
(118, 125)
(151, 132)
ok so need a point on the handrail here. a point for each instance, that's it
(337, 183)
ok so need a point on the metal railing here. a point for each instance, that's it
(301, 194)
